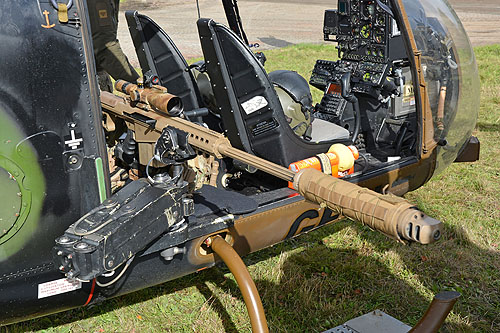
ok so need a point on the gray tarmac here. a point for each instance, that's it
(278, 23)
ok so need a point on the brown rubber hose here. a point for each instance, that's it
(244, 280)
(437, 312)
(440, 113)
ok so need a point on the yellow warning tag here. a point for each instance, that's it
(62, 12)
(103, 14)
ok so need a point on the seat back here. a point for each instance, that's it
(251, 112)
(157, 53)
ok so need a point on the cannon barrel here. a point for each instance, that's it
(389, 214)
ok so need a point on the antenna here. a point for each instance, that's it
(198, 7)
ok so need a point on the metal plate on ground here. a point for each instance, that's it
(373, 322)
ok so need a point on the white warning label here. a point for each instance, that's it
(254, 104)
(57, 287)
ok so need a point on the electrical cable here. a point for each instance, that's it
(357, 124)
(150, 179)
(400, 139)
(240, 23)
(357, 173)
(80, 280)
(107, 284)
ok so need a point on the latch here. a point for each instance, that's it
(62, 10)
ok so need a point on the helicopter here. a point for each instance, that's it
(105, 194)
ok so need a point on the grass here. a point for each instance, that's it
(324, 278)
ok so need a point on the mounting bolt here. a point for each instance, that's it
(111, 263)
(59, 253)
(61, 268)
(81, 246)
(63, 240)
(73, 159)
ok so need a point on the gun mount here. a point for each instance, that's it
(391, 215)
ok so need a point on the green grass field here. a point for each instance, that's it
(322, 279)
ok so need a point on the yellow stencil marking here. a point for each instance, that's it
(103, 13)
(47, 25)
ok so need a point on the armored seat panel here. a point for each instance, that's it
(158, 53)
(250, 109)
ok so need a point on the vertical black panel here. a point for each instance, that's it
(49, 99)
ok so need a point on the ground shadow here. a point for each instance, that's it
(322, 286)
(272, 41)
(488, 127)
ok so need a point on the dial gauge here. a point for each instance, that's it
(379, 36)
(355, 20)
(369, 9)
(380, 20)
(366, 31)
(355, 5)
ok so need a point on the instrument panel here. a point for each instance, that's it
(363, 30)
(370, 76)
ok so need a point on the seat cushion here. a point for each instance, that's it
(323, 130)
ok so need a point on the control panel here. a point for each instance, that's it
(372, 80)
(370, 73)
(326, 72)
(362, 29)
(332, 104)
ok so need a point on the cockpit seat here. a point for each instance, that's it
(251, 112)
(323, 130)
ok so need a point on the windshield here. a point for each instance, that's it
(450, 71)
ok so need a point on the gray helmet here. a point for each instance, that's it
(295, 85)
(296, 100)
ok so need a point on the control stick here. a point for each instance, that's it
(351, 98)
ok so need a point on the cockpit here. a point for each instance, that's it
(393, 92)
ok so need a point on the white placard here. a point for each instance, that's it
(254, 104)
(57, 287)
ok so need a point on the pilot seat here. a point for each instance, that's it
(250, 102)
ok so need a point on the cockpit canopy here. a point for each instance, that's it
(449, 68)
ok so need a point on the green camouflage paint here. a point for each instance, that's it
(100, 179)
(19, 164)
